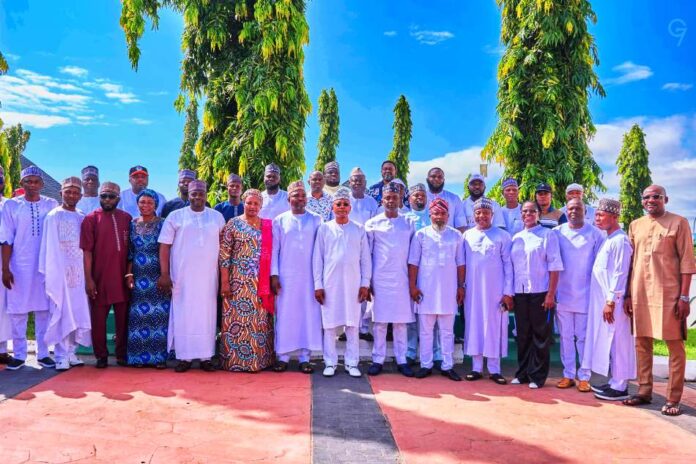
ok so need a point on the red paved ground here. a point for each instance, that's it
(439, 421)
(134, 415)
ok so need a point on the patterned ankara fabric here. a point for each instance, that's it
(148, 315)
(246, 339)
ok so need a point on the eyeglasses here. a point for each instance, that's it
(655, 196)
(108, 196)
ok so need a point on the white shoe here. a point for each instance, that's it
(74, 360)
(533, 385)
(515, 381)
(353, 371)
(329, 371)
(63, 365)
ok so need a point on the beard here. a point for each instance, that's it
(434, 189)
(439, 227)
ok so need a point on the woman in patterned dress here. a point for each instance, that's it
(148, 316)
(247, 302)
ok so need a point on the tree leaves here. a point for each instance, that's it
(401, 147)
(328, 129)
(632, 164)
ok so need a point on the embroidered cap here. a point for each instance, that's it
(331, 165)
(509, 182)
(31, 171)
(356, 171)
(439, 205)
(197, 185)
(391, 187)
(483, 203)
(297, 185)
(342, 193)
(272, 169)
(71, 182)
(416, 188)
(89, 171)
(575, 188)
(253, 193)
(610, 206)
(187, 174)
(234, 178)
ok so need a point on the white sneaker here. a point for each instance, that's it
(329, 371)
(63, 365)
(74, 360)
(353, 371)
(515, 381)
(533, 385)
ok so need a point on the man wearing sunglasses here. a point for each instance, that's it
(658, 294)
(104, 242)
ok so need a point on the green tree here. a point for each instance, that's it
(4, 151)
(401, 147)
(187, 156)
(545, 79)
(245, 58)
(633, 168)
(328, 129)
(16, 139)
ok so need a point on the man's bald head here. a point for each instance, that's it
(657, 188)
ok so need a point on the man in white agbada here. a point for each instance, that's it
(477, 188)
(579, 242)
(436, 189)
(489, 292)
(389, 235)
(342, 269)
(20, 235)
(5, 325)
(436, 275)
(610, 347)
(139, 178)
(189, 251)
(90, 190)
(298, 314)
(61, 264)
(275, 200)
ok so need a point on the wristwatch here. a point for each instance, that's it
(684, 298)
(611, 303)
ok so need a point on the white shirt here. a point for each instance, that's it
(457, 218)
(513, 219)
(129, 203)
(468, 207)
(88, 204)
(273, 205)
(535, 253)
(362, 209)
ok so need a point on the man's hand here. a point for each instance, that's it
(460, 295)
(416, 294)
(130, 282)
(508, 302)
(164, 283)
(608, 314)
(319, 295)
(275, 285)
(90, 287)
(628, 306)
(682, 310)
(549, 302)
(363, 294)
(7, 279)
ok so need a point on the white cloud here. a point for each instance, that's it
(39, 121)
(12, 56)
(390, 33)
(629, 72)
(457, 166)
(140, 121)
(498, 50)
(114, 91)
(430, 37)
(158, 93)
(74, 71)
(676, 86)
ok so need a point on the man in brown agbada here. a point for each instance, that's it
(658, 294)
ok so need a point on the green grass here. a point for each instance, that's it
(660, 349)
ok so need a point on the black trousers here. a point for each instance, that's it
(534, 337)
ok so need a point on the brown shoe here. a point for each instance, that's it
(565, 382)
(584, 386)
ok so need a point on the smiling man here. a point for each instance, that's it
(90, 190)
(275, 200)
(139, 178)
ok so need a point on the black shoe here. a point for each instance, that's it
(14, 364)
(497, 378)
(612, 395)
(121, 362)
(102, 363)
(375, 369)
(405, 369)
(423, 372)
(342, 337)
(599, 388)
(452, 375)
(182, 366)
(473, 375)
(410, 361)
(367, 337)
(207, 366)
(437, 365)
(5, 358)
(47, 362)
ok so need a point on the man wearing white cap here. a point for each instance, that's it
(61, 264)
(275, 200)
(90, 190)
(577, 191)
(610, 348)
(436, 189)
(477, 187)
(139, 178)
(342, 269)
(20, 234)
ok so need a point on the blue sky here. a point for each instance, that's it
(71, 84)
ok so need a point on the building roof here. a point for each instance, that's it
(51, 186)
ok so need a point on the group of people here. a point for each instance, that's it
(269, 275)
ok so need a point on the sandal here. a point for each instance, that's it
(497, 378)
(671, 409)
(306, 368)
(280, 366)
(636, 400)
(473, 375)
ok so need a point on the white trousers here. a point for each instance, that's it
(19, 334)
(302, 355)
(573, 328)
(426, 324)
(65, 348)
(352, 353)
(379, 349)
(493, 364)
(3, 347)
(364, 319)
(615, 383)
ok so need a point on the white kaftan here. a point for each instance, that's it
(273, 205)
(609, 275)
(362, 209)
(195, 240)
(22, 227)
(513, 219)
(457, 218)
(341, 264)
(468, 207)
(88, 204)
(5, 324)
(489, 277)
(437, 255)
(389, 239)
(298, 315)
(129, 203)
(61, 263)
